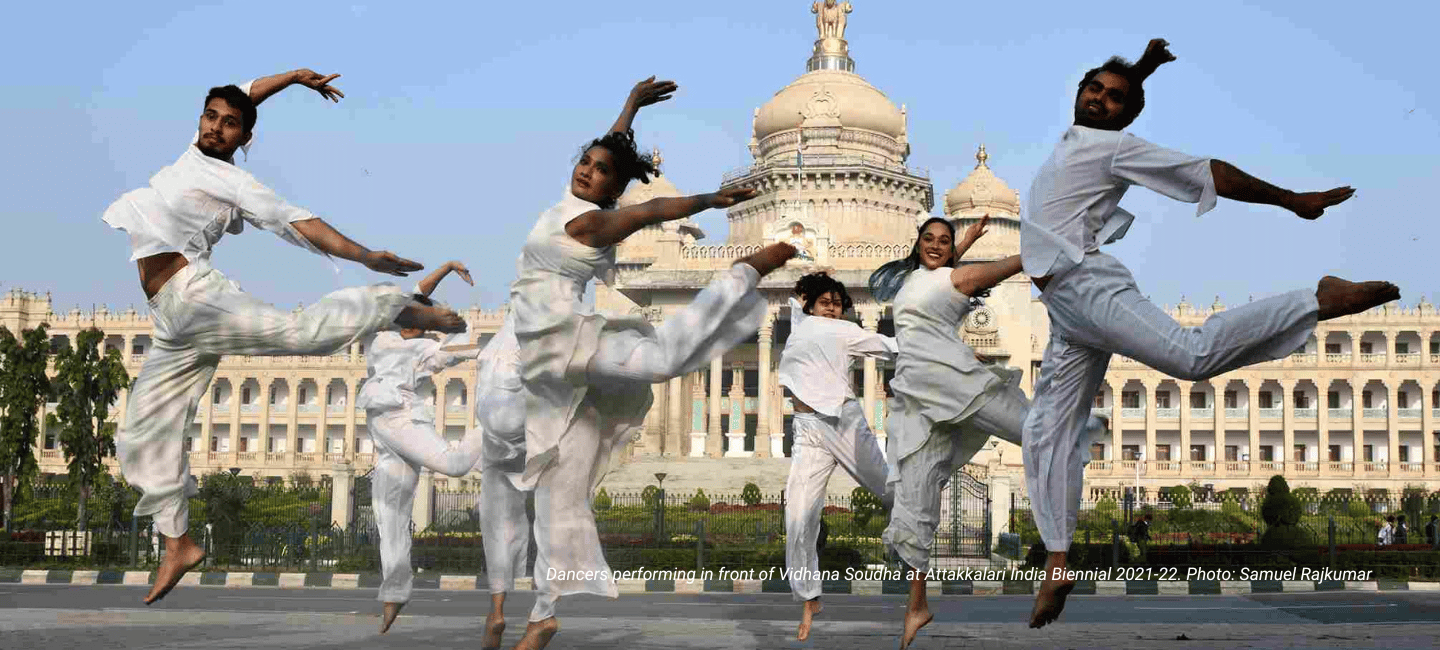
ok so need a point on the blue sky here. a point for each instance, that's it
(461, 120)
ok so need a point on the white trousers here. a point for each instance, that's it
(504, 526)
(402, 447)
(1097, 310)
(821, 444)
(198, 316)
(925, 473)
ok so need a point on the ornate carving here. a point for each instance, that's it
(822, 105)
(981, 321)
(830, 18)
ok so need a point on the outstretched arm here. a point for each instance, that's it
(601, 228)
(971, 279)
(330, 241)
(265, 87)
(645, 93)
(972, 235)
(427, 286)
(1157, 53)
(1232, 183)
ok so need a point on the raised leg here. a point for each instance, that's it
(1342, 298)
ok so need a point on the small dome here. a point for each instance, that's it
(983, 190)
(844, 98)
(658, 187)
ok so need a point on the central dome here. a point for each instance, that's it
(844, 97)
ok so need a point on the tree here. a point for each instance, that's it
(87, 382)
(23, 389)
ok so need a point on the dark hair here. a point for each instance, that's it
(811, 287)
(629, 163)
(238, 99)
(1134, 100)
(886, 281)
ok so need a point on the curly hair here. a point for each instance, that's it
(811, 287)
(238, 100)
(1134, 100)
(629, 163)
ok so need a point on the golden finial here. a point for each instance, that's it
(981, 157)
(656, 159)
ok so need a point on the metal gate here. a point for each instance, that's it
(969, 528)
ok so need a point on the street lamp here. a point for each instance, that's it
(234, 471)
(660, 476)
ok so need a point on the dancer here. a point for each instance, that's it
(200, 315)
(402, 427)
(504, 525)
(829, 426)
(947, 403)
(587, 379)
(1097, 310)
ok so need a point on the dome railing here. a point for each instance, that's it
(823, 161)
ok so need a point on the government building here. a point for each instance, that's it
(1356, 408)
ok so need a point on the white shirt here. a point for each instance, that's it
(195, 201)
(1074, 203)
(815, 364)
(397, 365)
(1387, 535)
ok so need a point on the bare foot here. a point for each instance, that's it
(494, 630)
(181, 555)
(914, 620)
(1050, 601)
(812, 609)
(387, 619)
(769, 258)
(433, 319)
(1339, 297)
(537, 635)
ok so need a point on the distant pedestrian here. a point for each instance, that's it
(1386, 535)
(1402, 530)
(1430, 530)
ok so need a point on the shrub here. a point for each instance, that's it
(1179, 496)
(1281, 508)
(650, 496)
(866, 505)
(751, 494)
(602, 500)
(700, 501)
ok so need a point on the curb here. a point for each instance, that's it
(829, 587)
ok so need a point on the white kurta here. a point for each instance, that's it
(199, 315)
(1097, 309)
(587, 385)
(815, 366)
(402, 426)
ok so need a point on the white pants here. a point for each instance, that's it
(923, 474)
(1096, 310)
(198, 316)
(821, 444)
(402, 447)
(504, 526)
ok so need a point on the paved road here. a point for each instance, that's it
(62, 616)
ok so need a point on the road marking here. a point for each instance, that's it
(1265, 607)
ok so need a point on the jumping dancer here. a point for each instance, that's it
(829, 426)
(586, 378)
(1097, 310)
(947, 403)
(504, 525)
(403, 429)
(200, 315)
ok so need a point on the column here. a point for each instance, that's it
(880, 411)
(1287, 410)
(237, 388)
(1149, 397)
(1322, 421)
(292, 423)
(670, 442)
(342, 482)
(714, 442)
(1185, 388)
(424, 497)
(349, 410)
(263, 439)
(1000, 510)
(764, 445)
(1427, 421)
(207, 414)
(735, 433)
(1116, 430)
(1392, 427)
(870, 319)
(1252, 388)
(697, 416)
(1357, 423)
(1217, 409)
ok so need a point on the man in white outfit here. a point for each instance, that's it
(199, 315)
(1097, 310)
(829, 425)
(402, 426)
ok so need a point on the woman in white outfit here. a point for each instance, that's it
(402, 426)
(504, 525)
(587, 378)
(946, 403)
(829, 427)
